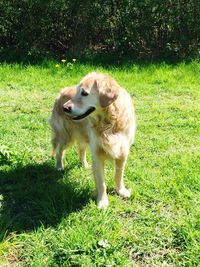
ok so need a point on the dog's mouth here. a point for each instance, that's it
(82, 116)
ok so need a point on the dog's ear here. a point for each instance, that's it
(107, 95)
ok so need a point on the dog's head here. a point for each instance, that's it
(64, 96)
(95, 91)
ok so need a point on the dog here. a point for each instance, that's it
(110, 127)
(66, 131)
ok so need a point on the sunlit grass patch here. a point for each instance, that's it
(50, 219)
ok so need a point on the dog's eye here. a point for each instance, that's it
(84, 93)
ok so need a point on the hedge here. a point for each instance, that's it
(148, 28)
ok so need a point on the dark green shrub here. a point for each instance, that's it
(148, 28)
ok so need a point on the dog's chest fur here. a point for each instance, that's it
(109, 132)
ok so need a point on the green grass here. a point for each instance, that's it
(50, 219)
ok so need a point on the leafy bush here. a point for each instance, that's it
(149, 28)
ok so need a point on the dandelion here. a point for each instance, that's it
(57, 65)
(63, 60)
(74, 60)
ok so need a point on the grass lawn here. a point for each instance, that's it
(49, 218)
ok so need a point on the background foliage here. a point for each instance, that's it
(148, 28)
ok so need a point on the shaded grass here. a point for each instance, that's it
(49, 218)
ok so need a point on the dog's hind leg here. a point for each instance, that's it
(59, 144)
(62, 145)
(82, 147)
(119, 179)
(54, 142)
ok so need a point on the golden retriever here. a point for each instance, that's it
(110, 127)
(66, 131)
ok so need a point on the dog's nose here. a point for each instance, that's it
(67, 109)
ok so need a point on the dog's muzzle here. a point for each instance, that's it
(82, 116)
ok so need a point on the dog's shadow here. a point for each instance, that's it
(37, 195)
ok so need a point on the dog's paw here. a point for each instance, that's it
(102, 203)
(86, 165)
(59, 167)
(59, 164)
(123, 192)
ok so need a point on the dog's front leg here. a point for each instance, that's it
(98, 171)
(119, 179)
